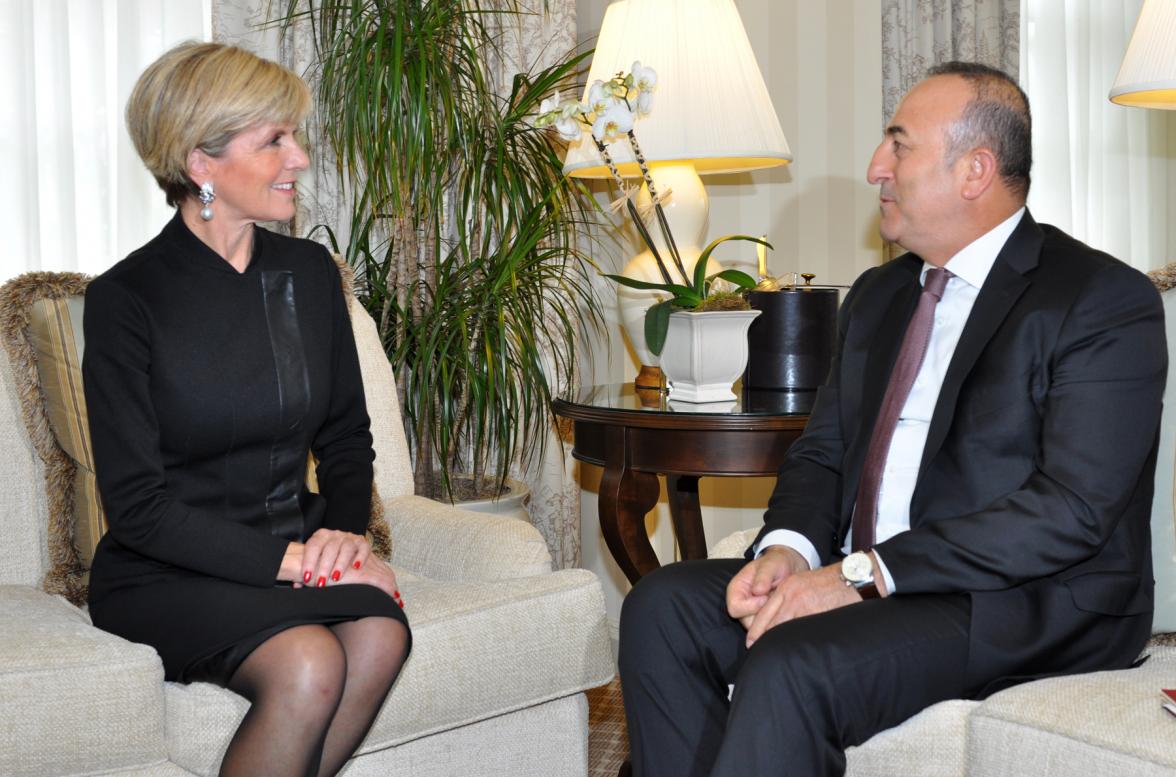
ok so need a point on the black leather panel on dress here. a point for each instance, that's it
(288, 454)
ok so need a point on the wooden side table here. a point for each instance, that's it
(635, 439)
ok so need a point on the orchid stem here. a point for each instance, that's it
(661, 265)
(661, 216)
(645, 236)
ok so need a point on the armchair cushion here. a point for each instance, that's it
(1105, 723)
(79, 700)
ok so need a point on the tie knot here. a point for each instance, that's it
(936, 282)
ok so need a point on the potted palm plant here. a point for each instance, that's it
(463, 230)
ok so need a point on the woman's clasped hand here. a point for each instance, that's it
(338, 557)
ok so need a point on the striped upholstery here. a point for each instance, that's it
(55, 331)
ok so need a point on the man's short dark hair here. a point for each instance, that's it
(997, 117)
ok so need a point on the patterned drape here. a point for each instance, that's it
(545, 30)
(917, 34)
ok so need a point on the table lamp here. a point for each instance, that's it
(711, 114)
(1147, 77)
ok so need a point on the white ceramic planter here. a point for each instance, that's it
(513, 503)
(633, 303)
(705, 354)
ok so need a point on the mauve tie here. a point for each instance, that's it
(910, 358)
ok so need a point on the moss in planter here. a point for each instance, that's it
(723, 300)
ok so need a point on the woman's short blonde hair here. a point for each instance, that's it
(199, 95)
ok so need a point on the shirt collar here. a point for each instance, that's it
(974, 261)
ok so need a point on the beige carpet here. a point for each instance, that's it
(608, 743)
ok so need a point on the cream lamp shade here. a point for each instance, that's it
(711, 105)
(1147, 77)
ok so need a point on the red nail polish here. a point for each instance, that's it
(336, 575)
(357, 565)
(306, 576)
(401, 603)
(396, 594)
(322, 581)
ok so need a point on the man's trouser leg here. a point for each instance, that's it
(807, 689)
(678, 652)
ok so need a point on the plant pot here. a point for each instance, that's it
(512, 502)
(705, 353)
(632, 303)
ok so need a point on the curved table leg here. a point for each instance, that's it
(626, 496)
(682, 491)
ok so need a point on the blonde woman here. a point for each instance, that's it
(216, 357)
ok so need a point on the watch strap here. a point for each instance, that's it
(868, 590)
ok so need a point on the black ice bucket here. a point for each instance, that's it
(790, 345)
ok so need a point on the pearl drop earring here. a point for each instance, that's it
(207, 195)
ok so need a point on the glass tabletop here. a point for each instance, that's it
(623, 396)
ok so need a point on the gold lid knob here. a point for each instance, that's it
(808, 278)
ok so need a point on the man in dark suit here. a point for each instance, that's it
(982, 521)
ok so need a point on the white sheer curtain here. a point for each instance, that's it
(1101, 171)
(75, 195)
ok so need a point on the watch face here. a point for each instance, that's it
(857, 568)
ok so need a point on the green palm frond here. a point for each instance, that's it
(465, 235)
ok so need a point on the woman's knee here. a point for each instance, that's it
(306, 664)
(375, 644)
(393, 633)
(391, 640)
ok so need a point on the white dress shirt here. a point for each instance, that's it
(969, 269)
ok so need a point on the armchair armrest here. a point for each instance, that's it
(733, 545)
(444, 542)
(76, 700)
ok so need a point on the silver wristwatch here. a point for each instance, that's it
(857, 571)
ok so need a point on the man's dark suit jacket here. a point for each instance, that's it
(1035, 486)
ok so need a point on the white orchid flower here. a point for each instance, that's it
(616, 120)
(568, 128)
(644, 102)
(644, 78)
(550, 104)
(644, 82)
(549, 111)
(564, 114)
(600, 99)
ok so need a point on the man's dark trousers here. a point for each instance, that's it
(803, 693)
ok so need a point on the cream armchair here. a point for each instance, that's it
(503, 646)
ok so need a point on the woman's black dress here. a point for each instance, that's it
(205, 389)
